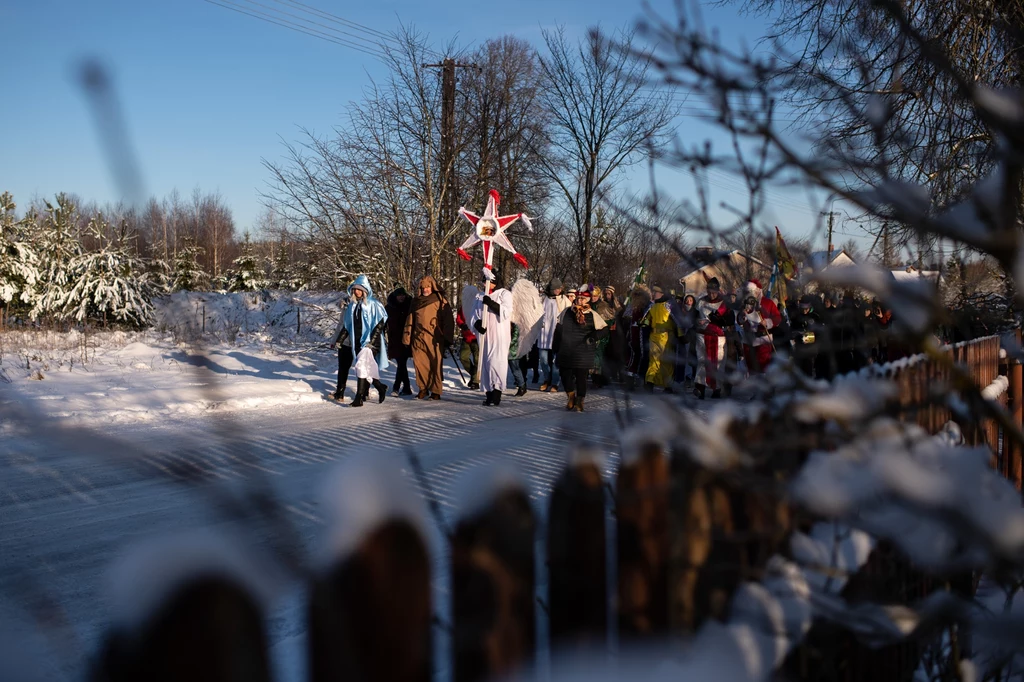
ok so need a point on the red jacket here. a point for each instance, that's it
(467, 334)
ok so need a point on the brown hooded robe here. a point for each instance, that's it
(428, 331)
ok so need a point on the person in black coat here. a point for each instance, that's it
(398, 306)
(808, 333)
(576, 335)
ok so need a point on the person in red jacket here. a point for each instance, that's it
(758, 318)
(468, 353)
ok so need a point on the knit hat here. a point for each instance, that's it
(555, 283)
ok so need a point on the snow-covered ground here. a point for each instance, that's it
(150, 434)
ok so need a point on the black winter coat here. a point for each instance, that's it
(397, 314)
(576, 343)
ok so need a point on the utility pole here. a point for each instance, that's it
(885, 245)
(449, 205)
(831, 221)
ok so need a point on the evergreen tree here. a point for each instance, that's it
(19, 266)
(282, 274)
(56, 243)
(188, 274)
(109, 285)
(246, 272)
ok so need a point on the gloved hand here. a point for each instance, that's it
(479, 327)
(494, 306)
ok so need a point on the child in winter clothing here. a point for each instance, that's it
(362, 326)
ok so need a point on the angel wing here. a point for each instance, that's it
(467, 300)
(527, 313)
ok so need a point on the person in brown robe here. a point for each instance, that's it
(429, 329)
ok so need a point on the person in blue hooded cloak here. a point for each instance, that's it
(362, 325)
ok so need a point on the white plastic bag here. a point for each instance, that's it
(366, 365)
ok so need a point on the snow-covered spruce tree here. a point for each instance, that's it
(282, 273)
(110, 285)
(188, 274)
(246, 271)
(19, 266)
(56, 243)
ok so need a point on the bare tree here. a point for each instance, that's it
(603, 120)
(930, 134)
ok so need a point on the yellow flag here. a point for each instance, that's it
(786, 264)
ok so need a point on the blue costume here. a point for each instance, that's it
(363, 323)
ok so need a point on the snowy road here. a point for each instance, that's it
(64, 517)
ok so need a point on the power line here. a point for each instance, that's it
(226, 4)
(372, 45)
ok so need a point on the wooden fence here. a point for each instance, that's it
(685, 538)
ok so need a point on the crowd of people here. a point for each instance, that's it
(652, 338)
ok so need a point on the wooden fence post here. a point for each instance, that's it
(577, 558)
(1013, 449)
(641, 506)
(201, 620)
(370, 613)
(494, 632)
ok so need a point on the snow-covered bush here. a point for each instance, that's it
(246, 271)
(19, 265)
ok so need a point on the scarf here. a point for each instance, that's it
(581, 307)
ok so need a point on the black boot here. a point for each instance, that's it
(339, 394)
(488, 400)
(362, 387)
(382, 390)
(521, 392)
(698, 390)
(497, 397)
(407, 390)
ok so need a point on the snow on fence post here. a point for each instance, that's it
(641, 510)
(369, 607)
(493, 622)
(577, 557)
(186, 610)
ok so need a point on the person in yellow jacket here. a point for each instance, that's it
(661, 341)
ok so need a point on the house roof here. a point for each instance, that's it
(725, 257)
(818, 260)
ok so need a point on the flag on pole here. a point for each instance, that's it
(641, 274)
(784, 261)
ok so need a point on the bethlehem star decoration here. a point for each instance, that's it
(490, 229)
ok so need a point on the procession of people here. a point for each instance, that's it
(585, 338)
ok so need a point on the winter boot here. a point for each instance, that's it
(544, 387)
(422, 394)
(339, 395)
(497, 398)
(382, 390)
(435, 396)
(521, 392)
(579, 404)
(716, 394)
(571, 403)
(362, 386)
(553, 388)
(407, 390)
(649, 387)
(473, 386)
(698, 390)
(488, 398)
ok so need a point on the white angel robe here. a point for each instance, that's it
(496, 341)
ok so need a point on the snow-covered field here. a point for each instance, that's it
(110, 439)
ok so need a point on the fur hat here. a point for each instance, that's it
(713, 283)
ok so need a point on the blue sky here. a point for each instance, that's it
(208, 92)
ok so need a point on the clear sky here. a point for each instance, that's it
(207, 92)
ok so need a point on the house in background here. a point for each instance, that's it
(910, 274)
(732, 268)
(820, 260)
